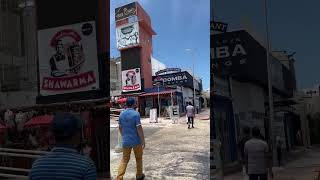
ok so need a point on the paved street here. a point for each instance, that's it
(172, 152)
(300, 169)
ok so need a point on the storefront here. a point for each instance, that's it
(164, 98)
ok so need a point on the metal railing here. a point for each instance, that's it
(14, 172)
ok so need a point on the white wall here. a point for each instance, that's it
(248, 98)
(156, 65)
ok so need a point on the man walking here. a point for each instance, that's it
(132, 138)
(190, 114)
(64, 161)
(246, 137)
(258, 159)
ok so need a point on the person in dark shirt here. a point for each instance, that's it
(64, 162)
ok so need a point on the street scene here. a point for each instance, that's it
(171, 152)
(264, 91)
(160, 114)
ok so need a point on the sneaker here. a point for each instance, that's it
(141, 178)
(192, 127)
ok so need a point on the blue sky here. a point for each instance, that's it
(294, 26)
(180, 25)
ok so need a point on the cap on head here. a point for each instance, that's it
(255, 132)
(65, 125)
(130, 102)
(246, 130)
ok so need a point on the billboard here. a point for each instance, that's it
(239, 55)
(181, 79)
(125, 11)
(68, 61)
(131, 80)
(127, 36)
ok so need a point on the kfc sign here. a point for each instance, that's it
(68, 59)
(131, 80)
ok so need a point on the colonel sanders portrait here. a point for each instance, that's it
(131, 78)
(67, 59)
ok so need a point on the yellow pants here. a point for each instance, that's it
(138, 151)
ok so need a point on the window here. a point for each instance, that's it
(10, 78)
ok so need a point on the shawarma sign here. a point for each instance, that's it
(68, 59)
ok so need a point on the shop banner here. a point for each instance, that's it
(131, 80)
(180, 78)
(127, 36)
(68, 60)
(218, 26)
(126, 11)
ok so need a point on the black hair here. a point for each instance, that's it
(256, 132)
(246, 130)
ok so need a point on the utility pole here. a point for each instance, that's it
(271, 108)
(193, 74)
(216, 169)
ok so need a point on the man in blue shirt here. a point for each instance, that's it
(64, 162)
(132, 138)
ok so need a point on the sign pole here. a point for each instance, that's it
(171, 111)
(159, 99)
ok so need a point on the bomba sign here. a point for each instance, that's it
(68, 60)
(180, 78)
(228, 51)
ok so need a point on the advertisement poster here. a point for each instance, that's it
(127, 35)
(68, 60)
(131, 80)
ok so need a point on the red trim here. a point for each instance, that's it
(65, 33)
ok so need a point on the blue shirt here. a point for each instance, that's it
(64, 164)
(129, 120)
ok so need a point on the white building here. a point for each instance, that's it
(156, 65)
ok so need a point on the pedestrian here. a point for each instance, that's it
(279, 149)
(257, 156)
(299, 139)
(190, 114)
(132, 138)
(246, 136)
(64, 161)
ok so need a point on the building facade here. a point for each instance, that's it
(241, 90)
(18, 54)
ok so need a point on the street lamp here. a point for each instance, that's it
(194, 87)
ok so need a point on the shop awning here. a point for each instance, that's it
(39, 121)
(122, 100)
(160, 93)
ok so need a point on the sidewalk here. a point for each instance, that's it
(173, 152)
(301, 168)
(162, 122)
